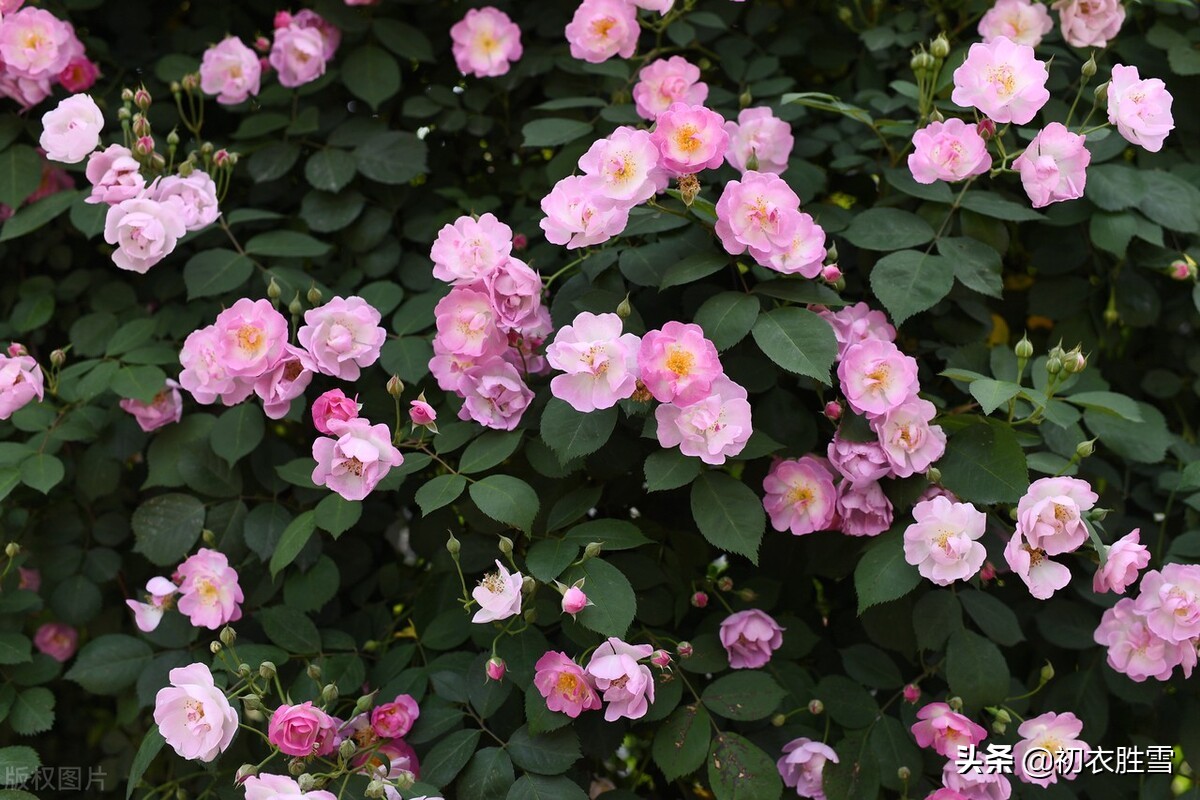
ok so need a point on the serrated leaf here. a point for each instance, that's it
(294, 537)
(166, 527)
(728, 513)
(744, 695)
(215, 271)
(681, 743)
(909, 282)
(669, 469)
(992, 394)
(739, 770)
(797, 340)
(571, 433)
(238, 432)
(882, 573)
(506, 499)
(440, 491)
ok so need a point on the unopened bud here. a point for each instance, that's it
(296, 766)
(12, 549)
(832, 253)
(933, 475)
(208, 537)
(141, 125)
(506, 545)
(294, 307)
(222, 157)
(395, 386)
(689, 188)
(453, 546)
(127, 95)
(496, 668)
(660, 658)
(186, 169)
(831, 273)
(1047, 673)
(314, 295)
(175, 87)
(1054, 365)
(207, 148)
(267, 670)
(519, 242)
(940, 47)
(347, 748)
(1024, 348)
(986, 129)
(816, 707)
(684, 649)
(214, 647)
(1111, 316)
(1085, 449)
(329, 694)
(528, 584)
(912, 693)
(144, 146)
(917, 62)
(779, 720)
(375, 788)
(624, 308)
(699, 599)
(987, 572)
(1180, 270)
(273, 290)
(57, 358)
(190, 82)
(306, 782)
(314, 672)
(1075, 361)
(365, 703)
(1089, 67)
(903, 773)
(1101, 92)
(725, 584)
(745, 99)
(936, 116)
(530, 616)
(252, 702)
(999, 727)
(141, 98)
(833, 411)
(592, 550)
(173, 139)
(1002, 715)
(845, 14)
(404, 780)
(243, 670)
(955, 703)
(244, 771)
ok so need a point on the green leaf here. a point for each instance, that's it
(20, 174)
(992, 394)
(110, 663)
(311, 590)
(613, 601)
(887, 229)
(739, 770)
(1114, 187)
(882, 574)
(614, 534)
(330, 170)
(976, 670)
(392, 157)
(130, 335)
(447, 758)
(371, 74)
(290, 629)
(936, 615)
(140, 382)
(489, 776)
(15, 648)
(984, 464)
(681, 743)
(993, 616)
(727, 317)
(212, 272)
(744, 695)
(18, 765)
(547, 558)
(10, 478)
(1121, 405)
(273, 161)
(669, 469)
(693, 268)
(544, 787)
(403, 39)
(166, 527)
(30, 218)
(797, 340)
(847, 702)
(33, 710)
(286, 244)
(1145, 442)
(488, 450)
(553, 131)
(893, 747)
(32, 312)
(337, 515)
(976, 265)
(238, 432)
(440, 491)
(544, 753)
(506, 499)
(993, 205)
(294, 537)
(42, 472)
(909, 282)
(1112, 232)
(571, 433)
(151, 744)
(729, 514)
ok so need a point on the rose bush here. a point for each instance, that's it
(622, 399)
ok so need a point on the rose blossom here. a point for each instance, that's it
(193, 715)
(515, 292)
(307, 19)
(799, 496)
(21, 380)
(666, 81)
(468, 248)
(1141, 109)
(1054, 166)
(35, 44)
(298, 55)
(863, 508)
(677, 363)
(876, 377)
(266, 786)
(1018, 20)
(301, 730)
(231, 71)
(495, 668)
(759, 141)
(910, 442)
(1043, 576)
(395, 719)
(661, 6)
(486, 42)
(1170, 601)
(1089, 23)
(144, 231)
(1135, 650)
(579, 215)
(943, 542)
(625, 166)
(494, 395)
(975, 783)
(283, 382)
(72, 129)
(711, 429)
(602, 29)
(1124, 560)
(26, 91)
(948, 151)
(357, 457)
(802, 766)
(164, 409)
(498, 595)
(466, 323)
(759, 213)
(945, 730)
(626, 685)
(204, 374)
(600, 362)
(421, 413)
(115, 175)
(750, 638)
(209, 593)
(1055, 733)
(57, 640)
(251, 336)
(195, 197)
(564, 685)
(1002, 79)
(1049, 514)
(690, 138)
(858, 462)
(342, 337)
(147, 616)
(805, 253)
(855, 323)
(574, 600)
(330, 406)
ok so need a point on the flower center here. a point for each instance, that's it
(1002, 79)
(493, 583)
(194, 710)
(207, 591)
(680, 361)
(568, 684)
(353, 465)
(292, 371)
(800, 495)
(601, 27)
(249, 338)
(686, 138)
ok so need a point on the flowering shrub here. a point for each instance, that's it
(630, 398)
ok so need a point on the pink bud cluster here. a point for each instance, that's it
(204, 588)
(37, 51)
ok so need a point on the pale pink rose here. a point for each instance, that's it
(342, 337)
(690, 138)
(759, 141)
(1002, 79)
(193, 715)
(602, 29)
(144, 231)
(945, 730)
(750, 638)
(1135, 650)
(468, 248)
(1019, 20)
(948, 151)
(9, 6)
(943, 542)
(283, 382)
(467, 324)
(1043, 576)
(1089, 23)
(251, 337)
(858, 462)
(331, 36)
(1058, 734)
(395, 719)
(355, 459)
(79, 75)
(421, 413)
(863, 508)
(1141, 109)
(626, 685)
(72, 129)
(1054, 166)
(760, 213)
(876, 377)
(204, 375)
(579, 215)
(564, 685)
(911, 443)
(515, 292)
(301, 730)
(35, 44)
(599, 361)
(975, 783)
(333, 405)
(448, 366)
(27, 91)
(678, 364)
(805, 254)
(486, 42)
(799, 496)
(57, 640)
(494, 395)
(298, 56)
(1124, 560)
(625, 166)
(231, 71)
(209, 593)
(713, 428)
(280, 787)
(661, 6)
(115, 175)
(855, 323)
(160, 593)
(21, 381)
(498, 595)
(195, 197)
(398, 758)
(1170, 601)
(164, 409)
(1049, 515)
(574, 600)
(666, 81)
(802, 766)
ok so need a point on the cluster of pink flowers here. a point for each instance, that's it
(761, 214)
(303, 44)
(1049, 523)
(490, 325)
(486, 42)
(1148, 636)
(664, 82)
(207, 589)
(21, 380)
(37, 51)
(615, 678)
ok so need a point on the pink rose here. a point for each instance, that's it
(948, 151)
(495, 668)
(72, 129)
(298, 56)
(498, 595)
(448, 366)
(251, 336)
(690, 138)
(395, 719)
(79, 74)
(713, 428)
(678, 364)
(144, 231)
(209, 593)
(975, 783)
(115, 175)
(1170, 601)
(805, 254)
(945, 730)
(301, 730)
(579, 215)
(35, 44)
(467, 323)
(666, 81)
(280, 787)
(283, 382)
(1138, 652)
(494, 395)
(661, 6)
(799, 496)
(1124, 560)
(945, 794)
(1089, 23)
(564, 685)
(1032, 565)
(28, 579)
(1141, 109)
(802, 766)
(876, 377)
(57, 640)
(468, 248)
(625, 167)
(602, 29)
(515, 292)
(759, 141)
(193, 715)
(1002, 79)
(21, 381)
(159, 593)
(195, 197)
(599, 361)
(1049, 515)
(331, 37)
(759, 213)
(943, 542)
(355, 458)
(1054, 166)
(1019, 20)
(231, 71)
(574, 600)
(863, 508)
(342, 337)
(858, 462)
(855, 323)
(421, 413)
(333, 405)
(164, 409)
(486, 42)
(1058, 734)
(204, 374)
(626, 685)
(26, 91)
(910, 442)
(750, 638)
